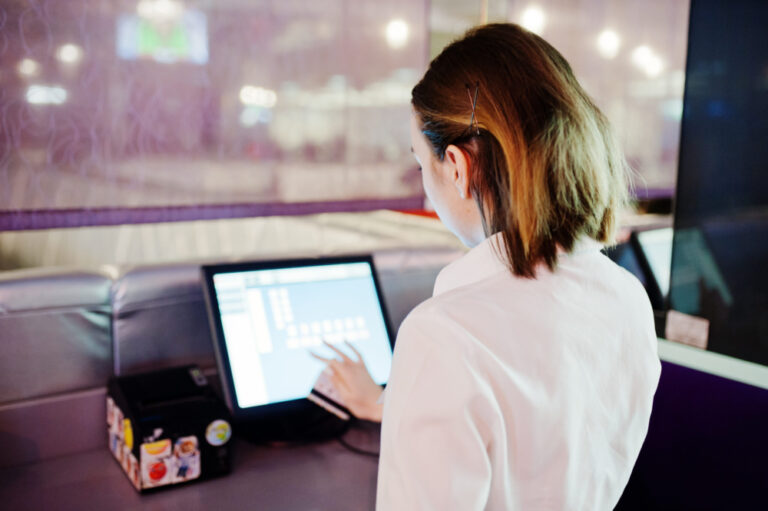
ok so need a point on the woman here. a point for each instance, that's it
(526, 381)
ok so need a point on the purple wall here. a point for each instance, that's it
(707, 446)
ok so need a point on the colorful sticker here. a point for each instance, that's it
(128, 433)
(114, 443)
(114, 415)
(156, 463)
(156, 434)
(110, 411)
(159, 448)
(155, 472)
(119, 450)
(118, 422)
(198, 376)
(126, 459)
(218, 432)
(133, 472)
(187, 459)
(185, 447)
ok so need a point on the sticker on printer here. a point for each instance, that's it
(198, 376)
(128, 433)
(185, 447)
(187, 459)
(113, 414)
(133, 472)
(156, 463)
(114, 443)
(160, 448)
(125, 459)
(118, 424)
(110, 411)
(156, 472)
(156, 434)
(218, 432)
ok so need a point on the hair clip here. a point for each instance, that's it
(473, 120)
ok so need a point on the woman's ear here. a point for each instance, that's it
(458, 169)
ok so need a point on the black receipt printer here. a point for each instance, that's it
(167, 427)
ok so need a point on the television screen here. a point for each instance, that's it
(183, 38)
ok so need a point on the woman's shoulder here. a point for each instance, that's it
(444, 323)
(427, 322)
(425, 315)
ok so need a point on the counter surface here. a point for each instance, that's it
(316, 476)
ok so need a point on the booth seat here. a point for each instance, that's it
(63, 333)
(55, 330)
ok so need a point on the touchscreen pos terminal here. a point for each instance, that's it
(268, 316)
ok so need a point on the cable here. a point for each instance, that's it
(354, 449)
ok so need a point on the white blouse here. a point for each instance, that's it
(509, 393)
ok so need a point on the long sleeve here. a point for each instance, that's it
(511, 393)
(435, 434)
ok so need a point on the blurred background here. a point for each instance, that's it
(136, 113)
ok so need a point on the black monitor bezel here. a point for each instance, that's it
(285, 410)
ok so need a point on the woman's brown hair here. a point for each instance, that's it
(545, 168)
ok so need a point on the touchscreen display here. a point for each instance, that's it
(273, 318)
(657, 247)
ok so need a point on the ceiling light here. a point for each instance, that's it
(45, 95)
(28, 67)
(608, 44)
(533, 19)
(69, 53)
(397, 34)
(257, 96)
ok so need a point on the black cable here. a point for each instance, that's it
(321, 426)
(352, 448)
(356, 450)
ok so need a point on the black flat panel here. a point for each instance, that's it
(721, 220)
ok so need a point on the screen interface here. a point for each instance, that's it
(657, 247)
(273, 318)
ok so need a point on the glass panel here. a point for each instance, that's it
(169, 103)
(720, 246)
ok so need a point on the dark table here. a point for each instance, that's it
(318, 476)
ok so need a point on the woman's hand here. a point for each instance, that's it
(351, 378)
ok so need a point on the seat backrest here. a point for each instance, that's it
(159, 319)
(55, 332)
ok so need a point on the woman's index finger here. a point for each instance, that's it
(319, 357)
(340, 353)
(357, 353)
